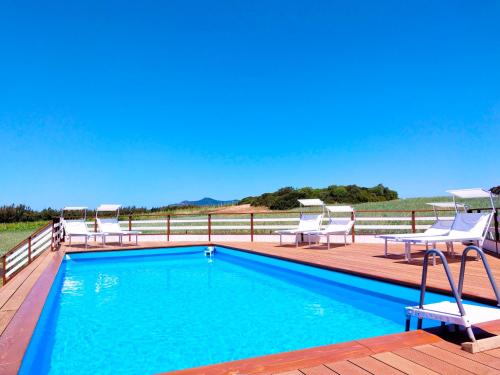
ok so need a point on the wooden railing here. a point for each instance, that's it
(24, 253)
(241, 223)
(367, 222)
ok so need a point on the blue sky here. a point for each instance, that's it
(150, 103)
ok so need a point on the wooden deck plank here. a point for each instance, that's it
(456, 360)
(19, 296)
(5, 318)
(346, 368)
(493, 352)
(374, 366)
(402, 364)
(7, 290)
(317, 370)
(477, 357)
(429, 362)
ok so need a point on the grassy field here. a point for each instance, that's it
(418, 204)
(13, 233)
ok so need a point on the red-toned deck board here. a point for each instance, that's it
(22, 298)
(317, 370)
(374, 366)
(347, 368)
(429, 362)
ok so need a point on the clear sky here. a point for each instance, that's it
(153, 102)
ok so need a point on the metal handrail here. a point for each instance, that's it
(486, 265)
(454, 289)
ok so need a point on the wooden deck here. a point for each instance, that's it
(417, 352)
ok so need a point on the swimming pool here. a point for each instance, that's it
(150, 311)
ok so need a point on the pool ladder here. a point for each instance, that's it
(209, 253)
(457, 291)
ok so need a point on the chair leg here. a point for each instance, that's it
(385, 247)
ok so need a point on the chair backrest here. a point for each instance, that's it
(341, 225)
(110, 225)
(75, 226)
(439, 228)
(471, 224)
(310, 222)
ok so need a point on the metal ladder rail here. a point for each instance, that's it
(486, 265)
(423, 284)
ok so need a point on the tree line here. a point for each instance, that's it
(22, 213)
(286, 198)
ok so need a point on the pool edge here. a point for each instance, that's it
(15, 339)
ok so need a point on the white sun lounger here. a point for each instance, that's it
(307, 223)
(336, 226)
(439, 227)
(111, 226)
(467, 227)
(78, 227)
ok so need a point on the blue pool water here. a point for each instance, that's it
(148, 311)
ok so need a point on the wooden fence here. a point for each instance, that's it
(367, 222)
(24, 253)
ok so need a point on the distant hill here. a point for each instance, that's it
(206, 202)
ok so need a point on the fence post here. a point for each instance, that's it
(251, 227)
(209, 227)
(4, 274)
(52, 246)
(353, 231)
(168, 227)
(413, 222)
(495, 218)
(129, 226)
(29, 249)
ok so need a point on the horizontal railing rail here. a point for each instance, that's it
(367, 222)
(25, 252)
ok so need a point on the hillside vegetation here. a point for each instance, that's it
(286, 198)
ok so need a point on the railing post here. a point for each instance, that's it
(168, 227)
(52, 246)
(129, 226)
(495, 220)
(209, 227)
(251, 227)
(353, 231)
(4, 274)
(413, 222)
(29, 249)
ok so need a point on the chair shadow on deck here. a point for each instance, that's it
(458, 335)
(417, 258)
(305, 246)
